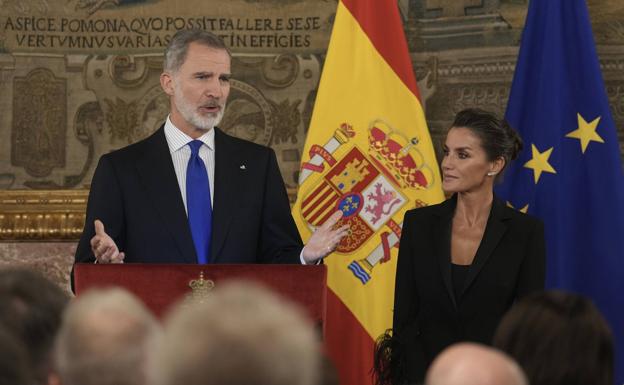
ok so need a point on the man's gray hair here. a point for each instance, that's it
(242, 334)
(176, 50)
(104, 340)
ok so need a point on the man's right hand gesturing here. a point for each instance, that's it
(103, 246)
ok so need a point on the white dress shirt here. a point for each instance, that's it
(181, 153)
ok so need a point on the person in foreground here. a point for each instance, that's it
(474, 364)
(558, 338)
(190, 193)
(464, 262)
(241, 334)
(31, 309)
(14, 368)
(105, 339)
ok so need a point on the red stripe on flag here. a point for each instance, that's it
(310, 203)
(348, 345)
(327, 207)
(381, 21)
(324, 219)
(317, 206)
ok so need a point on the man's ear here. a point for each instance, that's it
(167, 83)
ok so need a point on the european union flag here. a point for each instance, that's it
(569, 173)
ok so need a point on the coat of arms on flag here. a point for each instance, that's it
(368, 153)
(369, 185)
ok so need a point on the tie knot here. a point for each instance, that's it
(195, 145)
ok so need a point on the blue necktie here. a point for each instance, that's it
(198, 203)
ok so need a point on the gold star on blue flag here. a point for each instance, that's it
(586, 132)
(539, 162)
(559, 105)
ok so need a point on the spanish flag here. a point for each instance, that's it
(368, 153)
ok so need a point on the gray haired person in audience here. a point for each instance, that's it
(242, 334)
(104, 340)
(474, 364)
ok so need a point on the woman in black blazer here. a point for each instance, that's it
(464, 262)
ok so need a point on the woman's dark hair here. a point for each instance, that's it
(389, 360)
(382, 359)
(497, 137)
(559, 339)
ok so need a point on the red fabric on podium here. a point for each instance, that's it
(160, 286)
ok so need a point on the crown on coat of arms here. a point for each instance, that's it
(200, 289)
(398, 155)
(344, 133)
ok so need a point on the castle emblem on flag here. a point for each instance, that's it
(370, 186)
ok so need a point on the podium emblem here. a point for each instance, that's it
(200, 290)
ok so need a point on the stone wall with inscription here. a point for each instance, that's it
(80, 78)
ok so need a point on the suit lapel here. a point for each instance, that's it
(155, 168)
(494, 231)
(225, 191)
(442, 241)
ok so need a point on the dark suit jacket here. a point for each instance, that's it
(135, 194)
(509, 263)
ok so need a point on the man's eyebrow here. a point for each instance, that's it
(202, 73)
(211, 73)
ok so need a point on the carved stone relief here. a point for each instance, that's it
(122, 103)
(39, 115)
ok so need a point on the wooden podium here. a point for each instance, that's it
(160, 286)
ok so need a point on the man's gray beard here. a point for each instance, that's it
(193, 117)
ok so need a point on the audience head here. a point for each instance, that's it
(328, 373)
(104, 340)
(241, 334)
(31, 307)
(474, 364)
(559, 339)
(14, 368)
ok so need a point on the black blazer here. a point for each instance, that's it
(135, 194)
(509, 263)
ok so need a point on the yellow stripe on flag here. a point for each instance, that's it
(377, 157)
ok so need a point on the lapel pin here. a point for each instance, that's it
(243, 167)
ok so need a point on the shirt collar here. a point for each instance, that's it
(176, 139)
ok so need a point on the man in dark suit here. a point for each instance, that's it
(190, 193)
